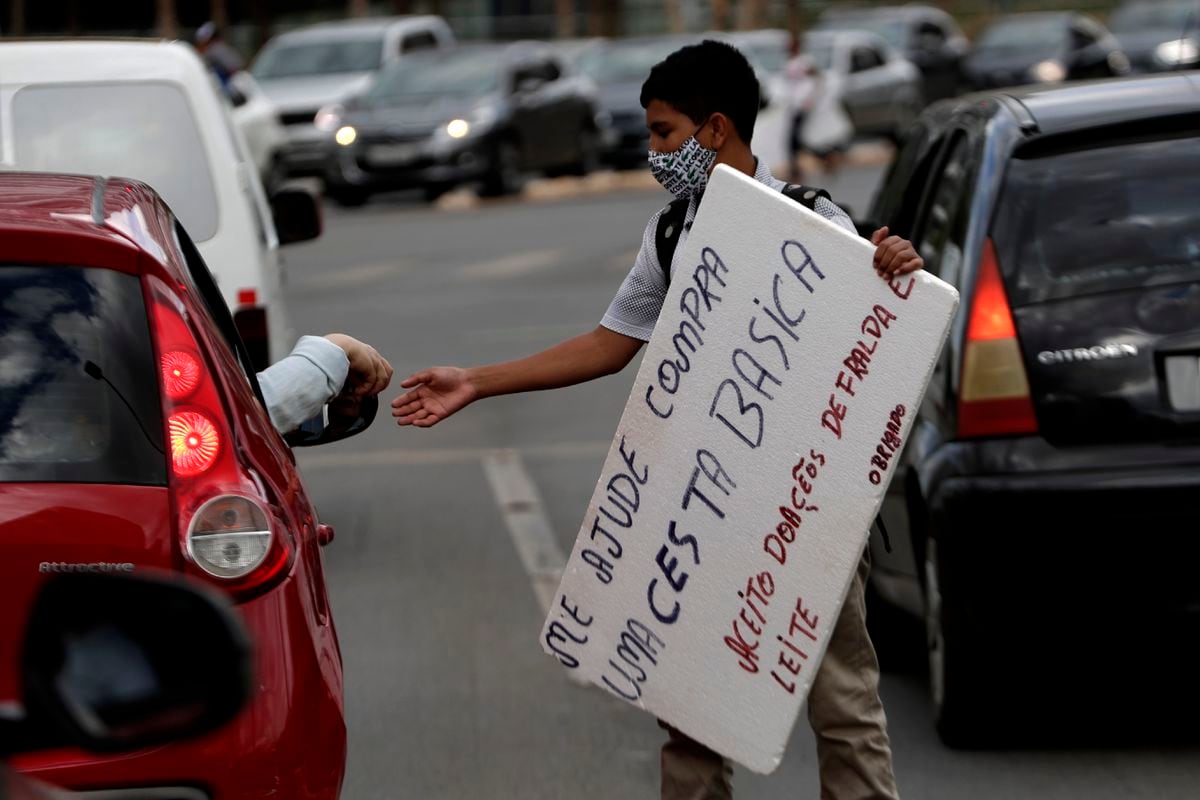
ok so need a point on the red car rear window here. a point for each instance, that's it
(79, 396)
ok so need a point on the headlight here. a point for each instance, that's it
(457, 128)
(1177, 51)
(328, 118)
(345, 136)
(1048, 72)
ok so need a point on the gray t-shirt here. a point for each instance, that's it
(636, 306)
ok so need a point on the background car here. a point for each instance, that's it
(1047, 493)
(619, 68)
(1158, 35)
(925, 35)
(133, 438)
(149, 110)
(880, 90)
(1043, 47)
(485, 114)
(258, 120)
(309, 68)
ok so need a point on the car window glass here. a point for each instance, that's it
(931, 35)
(1020, 35)
(949, 200)
(1083, 35)
(898, 200)
(425, 76)
(80, 402)
(864, 58)
(529, 73)
(1131, 221)
(144, 131)
(319, 58)
(626, 61)
(422, 40)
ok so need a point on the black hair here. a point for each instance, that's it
(700, 80)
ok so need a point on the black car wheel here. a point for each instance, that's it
(504, 177)
(953, 679)
(349, 196)
(589, 153)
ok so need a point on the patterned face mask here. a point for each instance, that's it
(684, 172)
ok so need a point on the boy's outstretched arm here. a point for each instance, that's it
(436, 393)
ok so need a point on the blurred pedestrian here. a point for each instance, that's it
(218, 54)
(701, 107)
(803, 85)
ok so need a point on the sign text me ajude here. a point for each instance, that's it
(771, 404)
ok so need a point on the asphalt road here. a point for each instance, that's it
(448, 693)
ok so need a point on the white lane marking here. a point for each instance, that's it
(513, 266)
(524, 516)
(407, 457)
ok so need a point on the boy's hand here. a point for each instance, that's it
(370, 373)
(434, 394)
(893, 255)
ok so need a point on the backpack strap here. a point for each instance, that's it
(671, 220)
(806, 195)
(666, 235)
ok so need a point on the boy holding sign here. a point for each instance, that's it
(701, 104)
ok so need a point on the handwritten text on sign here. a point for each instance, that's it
(754, 450)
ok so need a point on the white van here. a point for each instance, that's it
(306, 69)
(151, 111)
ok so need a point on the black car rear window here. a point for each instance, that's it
(79, 398)
(1101, 219)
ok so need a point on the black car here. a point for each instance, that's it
(619, 68)
(1048, 498)
(486, 114)
(1158, 35)
(1043, 47)
(926, 36)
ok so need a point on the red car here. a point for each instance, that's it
(133, 437)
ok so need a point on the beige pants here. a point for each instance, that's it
(843, 708)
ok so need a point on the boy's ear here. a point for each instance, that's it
(722, 129)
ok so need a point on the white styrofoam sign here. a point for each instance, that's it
(762, 430)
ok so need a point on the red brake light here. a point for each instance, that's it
(195, 443)
(181, 373)
(991, 317)
(227, 533)
(994, 397)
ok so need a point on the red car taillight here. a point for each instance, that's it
(228, 533)
(181, 373)
(195, 443)
(994, 398)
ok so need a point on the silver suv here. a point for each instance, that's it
(305, 70)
